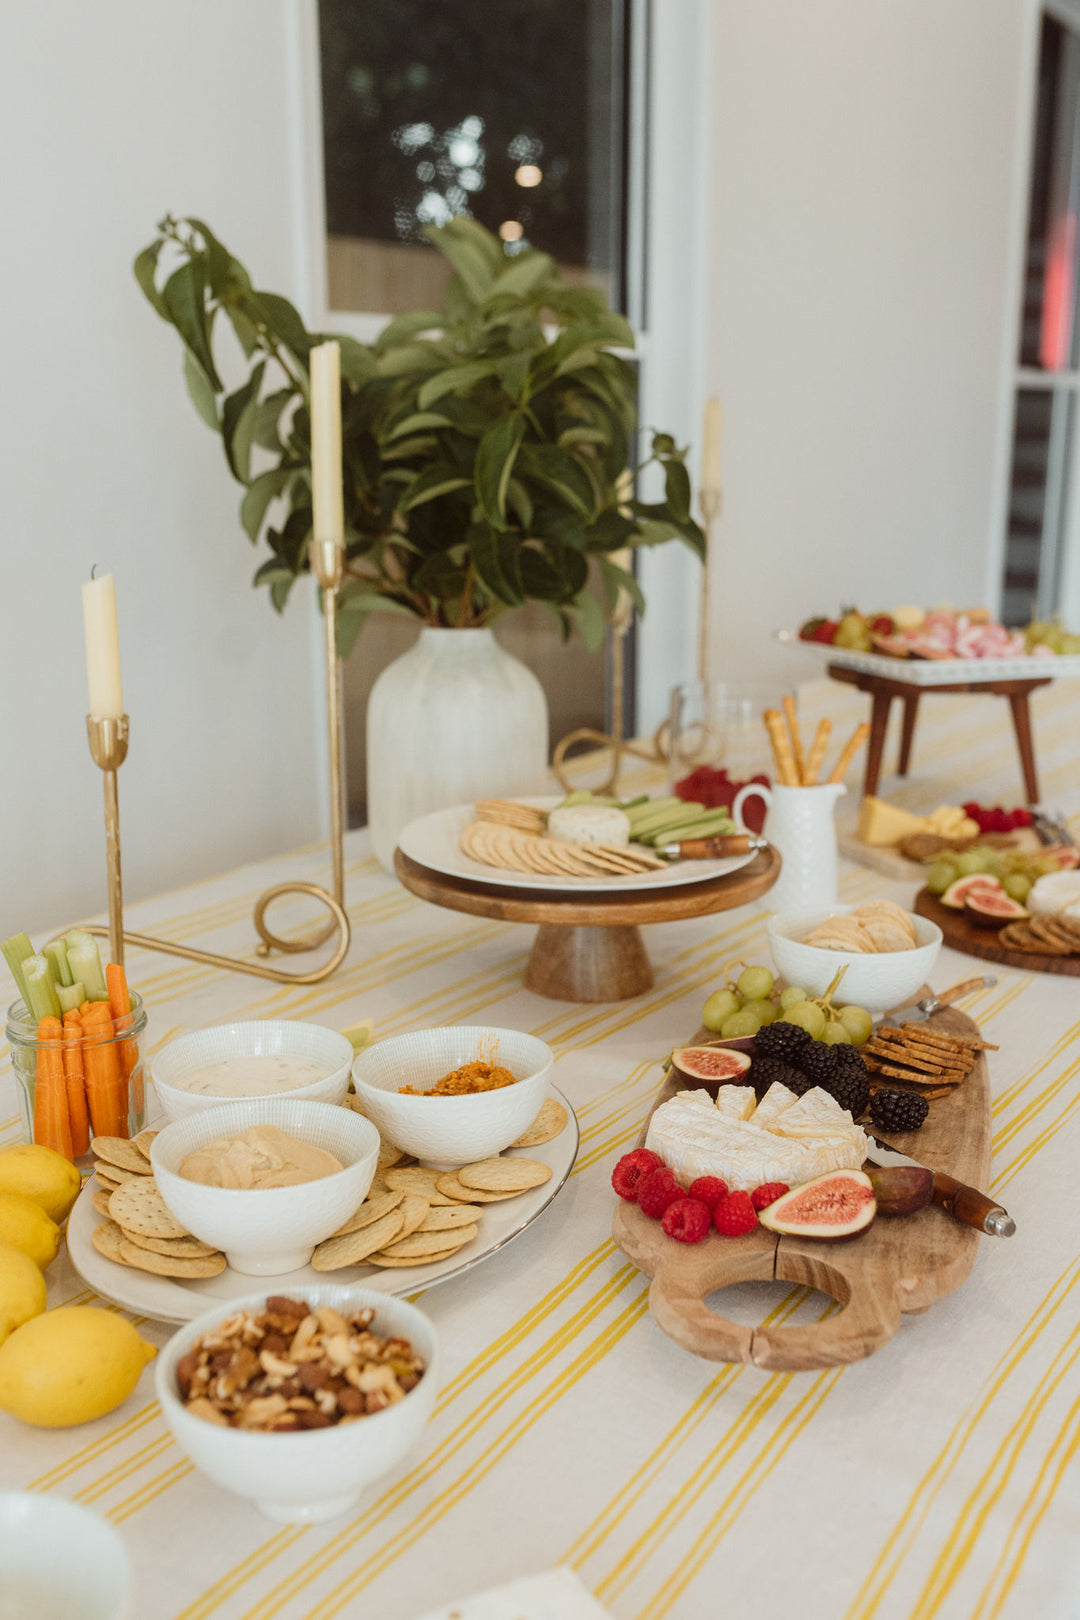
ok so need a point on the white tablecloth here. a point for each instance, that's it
(935, 1481)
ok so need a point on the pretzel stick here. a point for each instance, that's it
(781, 747)
(796, 740)
(855, 742)
(817, 753)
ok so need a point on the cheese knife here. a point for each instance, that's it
(917, 1011)
(714, 848)
(963, 1203)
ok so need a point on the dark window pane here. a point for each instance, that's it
(1038, 498)
(1049, 337)
(511, 111)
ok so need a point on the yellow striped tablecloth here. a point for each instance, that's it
(935, 1481)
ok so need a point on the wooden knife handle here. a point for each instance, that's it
(711, 849)
(955, 991)
(972, 1207)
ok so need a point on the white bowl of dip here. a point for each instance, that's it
(267, 1231)
(268, 1057)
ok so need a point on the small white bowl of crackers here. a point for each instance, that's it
(887, 951)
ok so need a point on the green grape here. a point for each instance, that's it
(743, 1022)
(975, 860)
(1017, 886)
(939, 876)
(754, 983)
(791, 997)
(808, 1017)
(836, 1034)
(717, 1008)
(857, 1022)
(767, 1012)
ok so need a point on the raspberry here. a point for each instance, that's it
(656, 1191)
(735, 1216)
(709, 1189)
(768, 1193)
(630, 1169)
(687, 1220)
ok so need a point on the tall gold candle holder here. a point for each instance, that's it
(709, 502)
(109, 746)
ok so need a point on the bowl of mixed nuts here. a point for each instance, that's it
(297, 1402)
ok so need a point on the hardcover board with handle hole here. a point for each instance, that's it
(900, 1265)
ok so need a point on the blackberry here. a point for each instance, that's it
(848, 1057)
(781, 1040)
(765, 1071)
(898, 1110)
(850, 1090)
(818, 1063)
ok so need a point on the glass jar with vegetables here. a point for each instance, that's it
(76, 1044)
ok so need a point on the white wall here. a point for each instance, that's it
(111, 114)
(864, 160)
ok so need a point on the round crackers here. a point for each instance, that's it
(548, 1124)
(372, 1209)
(447, 1217)
(138, 1206)
(504, 1175)
(117, 1150)
(168, 1265)
(355, 1247)
(414, 1178)
(425, 1244)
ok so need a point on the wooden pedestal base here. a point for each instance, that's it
(588, 947)
(588, 964)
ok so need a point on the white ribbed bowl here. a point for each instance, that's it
(269, 1230)
(272, 1037)
(446, 1132)
(875, 981)
(319, 1473)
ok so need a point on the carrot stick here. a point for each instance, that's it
(76, 1084)
(120, 1007)
(106, 1088)
(51, 1126)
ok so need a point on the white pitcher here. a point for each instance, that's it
(800, 824)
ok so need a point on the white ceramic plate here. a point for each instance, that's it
(432, 840)
(170, 1299)
(946, 671)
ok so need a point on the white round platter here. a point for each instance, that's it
(947, 671)
(169, 1299)
(432, 841)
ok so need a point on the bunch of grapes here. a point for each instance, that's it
(743, 1005)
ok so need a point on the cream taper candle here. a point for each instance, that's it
(327, 498)
(710, 445)
(102, 648)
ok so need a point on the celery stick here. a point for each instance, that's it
(708, 827)
(71, 996)
(41, 999)
(85, 964)
(57, 955)
(16, 950)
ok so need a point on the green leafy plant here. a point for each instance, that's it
(485, 445)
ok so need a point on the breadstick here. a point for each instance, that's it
(796, 740)
(781, 747)
(817, 753)
(855, 742)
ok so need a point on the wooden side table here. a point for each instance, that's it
(883, 688)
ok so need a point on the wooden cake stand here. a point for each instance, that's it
(588, 946)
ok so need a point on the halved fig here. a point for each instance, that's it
(901, 1189)
(956, 894)
(989, 908)
(711, 1064)
(1066, 855)
(837, 1205)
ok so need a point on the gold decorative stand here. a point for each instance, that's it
(109, 746)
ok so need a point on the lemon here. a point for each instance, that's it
(39, 1173)
(26, 1225)
(70, 1365)
(22, 1289)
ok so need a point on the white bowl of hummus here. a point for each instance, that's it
(261, 1057)
(265, 1179)
(461, 1126)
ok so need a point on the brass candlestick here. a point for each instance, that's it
(709, 501)
(109, 746)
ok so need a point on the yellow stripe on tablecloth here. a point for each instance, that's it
(95, 1449)
(1015, 1090)
(609, 1519)
(905, 1532)
(130, 1465)
(1035, 1146)
(982, 1499)
(149, 1492)
(739, 1497)
(1032, 1107)
(1004, 999)
(1033, 1510)
(383, 1506)
(439, 1506)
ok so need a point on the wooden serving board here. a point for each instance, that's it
(961, 934)
(899, 1266)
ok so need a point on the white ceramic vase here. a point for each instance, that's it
(455, 718)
